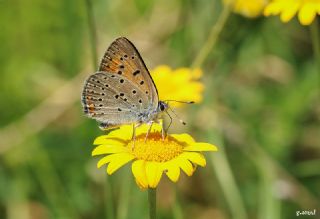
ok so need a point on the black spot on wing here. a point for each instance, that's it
(135, 73)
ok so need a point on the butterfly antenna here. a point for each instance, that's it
(174, 113)
(179, 101)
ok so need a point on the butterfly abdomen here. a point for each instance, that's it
(106, 125)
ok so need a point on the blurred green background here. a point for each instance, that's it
(261, 108)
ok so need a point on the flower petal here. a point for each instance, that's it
(272, 8)
(183, 138)
(139, 171)
(307, 13)
(197, 73)
(289, 12)
(108, 139)
(172, 170)
(124, 133)
(154, 173)
(183, 74)
(115, 164)
(195, 157)
(108, 149)
(200, 147)
(159, 70)
(109, 158)
(185, 165)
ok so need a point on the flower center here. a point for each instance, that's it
(154, 148)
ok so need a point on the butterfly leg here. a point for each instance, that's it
(133, 138)
(164, 131)
(150, 126)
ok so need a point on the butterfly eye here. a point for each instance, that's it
(163, 106)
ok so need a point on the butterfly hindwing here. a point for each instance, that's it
(111, 98)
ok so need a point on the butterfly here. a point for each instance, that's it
(122, 90)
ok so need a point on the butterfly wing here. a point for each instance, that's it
(124, 59)
(122, 91)
(112, 99)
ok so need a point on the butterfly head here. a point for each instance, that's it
(162, 106)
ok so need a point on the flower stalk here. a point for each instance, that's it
(92, 33)
(152, 199)
(314, 29)
(212, 39)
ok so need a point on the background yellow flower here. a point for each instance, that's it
(252, 8)
(306, 9)
(181, 84)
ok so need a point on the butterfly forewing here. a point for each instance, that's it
(124, 59)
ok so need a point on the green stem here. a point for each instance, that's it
(108, 198)
(268, 204)
(53, 188)
(152, 199)
(177, 210)
(124, 197)
(92, 33)
(93, 41)
(212, 39)
(314, 29)
(226, 179)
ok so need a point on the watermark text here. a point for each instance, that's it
(306, 212)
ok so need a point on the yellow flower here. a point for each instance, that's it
(306, 9)
(181, 84)
(151, 157)
(252, 8)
